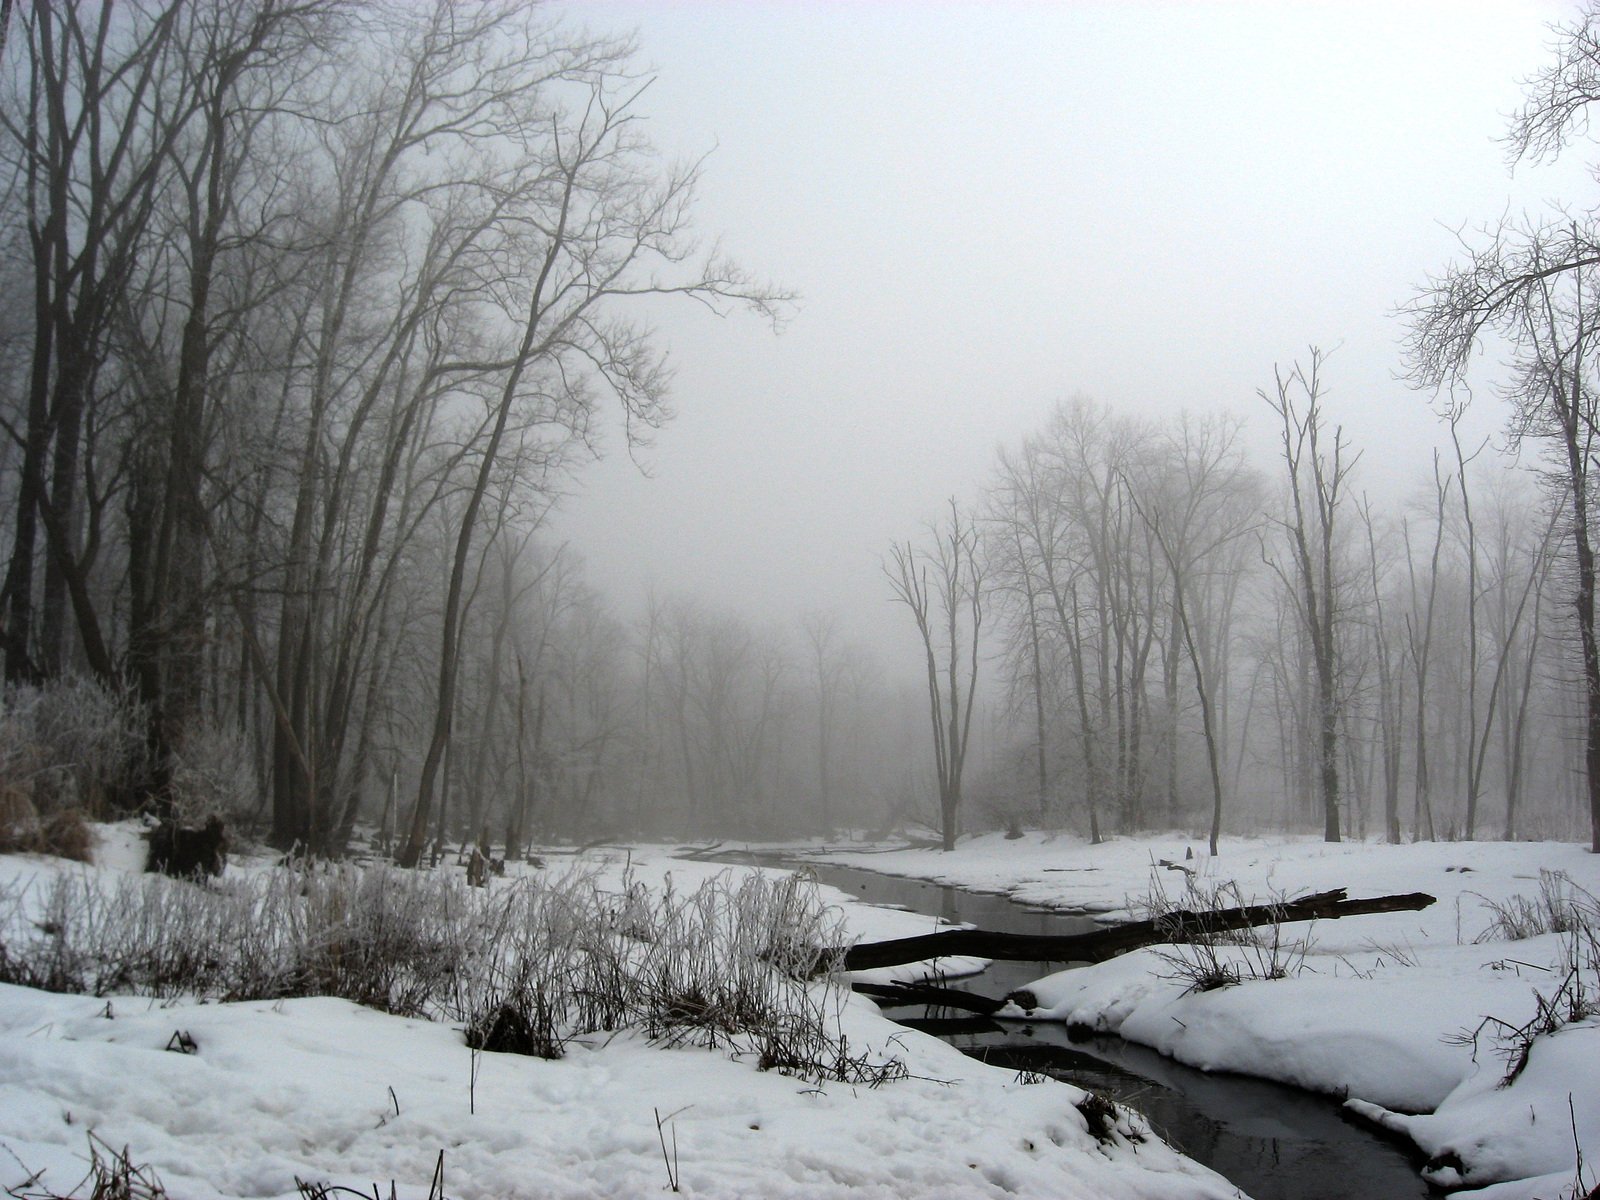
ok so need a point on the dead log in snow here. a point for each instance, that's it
(1101, 944)
(891, 994)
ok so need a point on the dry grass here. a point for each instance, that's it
(1208, 958)
(741, 964)
(112, 1175)
(1561, 907)
(63, 833)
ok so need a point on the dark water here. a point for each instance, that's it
(1274, 1142)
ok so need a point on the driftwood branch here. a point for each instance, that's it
(1101, 944)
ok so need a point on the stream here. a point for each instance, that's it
(1272, 1141)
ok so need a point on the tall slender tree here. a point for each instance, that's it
(945, 588)
(1316, 476)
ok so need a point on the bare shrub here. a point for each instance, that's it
(63, 833)
(385, 938)
(63, 746)
(1561, 906)
(213, 775)
(71, 743)
(67, 835)
(730, 958)
(806, 1042)
(727, 966)
(86, 934)
(18, 820)
(1212, 957)
(524, 967)
(523, 992)
(113, 1175)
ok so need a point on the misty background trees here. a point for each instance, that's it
(1192, 640)
(317, 308)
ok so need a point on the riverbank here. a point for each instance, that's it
(242, 1099)
(1410, 1016)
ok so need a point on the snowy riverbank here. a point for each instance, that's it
(1381, 1009)
(321, 1089)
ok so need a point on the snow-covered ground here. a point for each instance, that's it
(1375, 1012)
(320, 1089)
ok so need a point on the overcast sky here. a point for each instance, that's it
(990, 207)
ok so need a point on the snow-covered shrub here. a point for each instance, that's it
(530, 991)
(67, 744)
(729, 965)
(213, 774)
(727, 958)
(96, 934)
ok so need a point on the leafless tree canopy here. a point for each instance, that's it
(315, 308)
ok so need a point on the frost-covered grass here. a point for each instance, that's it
(296, 1085)
(742, 961)
(1469, 1027)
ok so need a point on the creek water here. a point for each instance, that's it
(1273, 1142)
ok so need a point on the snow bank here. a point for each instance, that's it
(322, 1089)
(1378, 1011)
(303, 1088)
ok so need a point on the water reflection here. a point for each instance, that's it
(1274, 1142)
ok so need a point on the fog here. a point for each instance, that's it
(989, 208)
(604, 420)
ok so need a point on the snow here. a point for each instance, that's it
(1510, 1133)
(302, 1088)
(1375, 1013)
(321, 1089)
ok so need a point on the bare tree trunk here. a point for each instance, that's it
(958, 587)
(1317, 482)
(1473, 757)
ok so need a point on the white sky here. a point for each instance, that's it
(988, 208)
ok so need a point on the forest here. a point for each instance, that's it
(317, 309)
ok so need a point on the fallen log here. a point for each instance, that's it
(1101, 944)
(906, 994)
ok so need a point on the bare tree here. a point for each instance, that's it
(1074, 548)
(1194, 512)
(591, 219)
(1316, 475)
(945, 588)
(828, 668)
(323, 295)
(1020, 515)
(1419, 641)
(1477, 742)
(1514, 724)
(1390, 717)
(87, 133)
(1534, 284)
